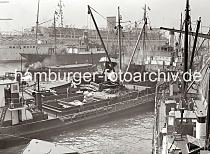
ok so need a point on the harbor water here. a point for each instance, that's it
(128, 134)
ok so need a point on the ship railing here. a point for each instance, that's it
(60, 96)
(189, 95)
(109, 108)
(82, 114)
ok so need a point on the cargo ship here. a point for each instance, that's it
(21, 119)
(182, 108)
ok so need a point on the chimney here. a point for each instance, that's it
(39, 100)
(171, 38)
(111, 23)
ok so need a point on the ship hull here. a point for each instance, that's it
(64, 59)
(11, 53)
(44, 129)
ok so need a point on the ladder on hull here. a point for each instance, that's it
(3, 113)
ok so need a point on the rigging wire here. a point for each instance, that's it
(131, 23)
(102, 16)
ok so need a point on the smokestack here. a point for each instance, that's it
(201, 126)
(111, 23)
(171, 38)
(38, 96)
(39, 100)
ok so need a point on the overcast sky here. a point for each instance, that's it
(163, 12)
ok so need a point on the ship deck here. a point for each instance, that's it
(173, 142)
(169, 142)
(177, 144)
(69, 66)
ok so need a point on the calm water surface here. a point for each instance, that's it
(9, 67)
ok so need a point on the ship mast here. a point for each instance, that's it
(180, 34)
(60, 5)
(119, 39)
(37, 24)
(185, 69)
(54, 27)
(144, 29)
(143, 32)
(208, 119)
(186, 47)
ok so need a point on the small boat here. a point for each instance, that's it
(42, 147)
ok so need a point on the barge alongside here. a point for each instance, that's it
(19, 119)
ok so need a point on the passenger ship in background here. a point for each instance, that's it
(69, 40)
(11, 45)
(11, 53)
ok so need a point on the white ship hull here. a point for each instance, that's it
(11, 53)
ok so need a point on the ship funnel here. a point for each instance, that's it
(111, 23)
(200, 123)
(38, 95)
(171, 38)
(38, 98)
(201, 127)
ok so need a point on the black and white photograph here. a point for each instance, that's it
(104, 77)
